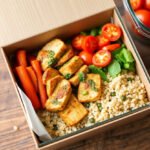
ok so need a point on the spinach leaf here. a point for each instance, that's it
(94, 32)
(114, 68)
(99, 71)
(127, 55)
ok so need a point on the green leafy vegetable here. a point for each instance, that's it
(94, 32)
(99, 71)
(114, 68)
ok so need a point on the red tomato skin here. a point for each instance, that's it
(90, 44)
(111, 47)
(136, 4)
(109, 33)
(106, 61)
(144, 16)
(102, 41)
(86, 57)
(147, 4)
(77, 42)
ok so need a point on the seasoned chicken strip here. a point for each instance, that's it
(74, 112)
(75, 79)
(68, 55)
(60, 96)
(48, 74)
(69, 68)
(90, 89)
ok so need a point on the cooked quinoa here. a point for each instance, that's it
(120, 95)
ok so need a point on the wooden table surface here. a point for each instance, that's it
(15, 134)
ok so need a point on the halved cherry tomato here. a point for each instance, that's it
(90, 44)
(136, 4)
(102, 41)
(147, 4)
(111, 32)
(86, 57)
(111, 47)
(77, 42)
(102, 58)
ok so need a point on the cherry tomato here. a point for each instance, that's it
(86, 57)
(90, 44)
(102, 58)
(77, 42)
(111, 32)
(102, 41)
(144, 16)
(111, 47)
(136, 4)
(147, 4)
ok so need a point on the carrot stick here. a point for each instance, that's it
(33, 77)
(37, 68)
(28, 86)
(30, 58)
(21, 58)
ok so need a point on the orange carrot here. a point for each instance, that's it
(28, 86)
(30, 58)
(37, 68)
(33, 77)
(21, 58)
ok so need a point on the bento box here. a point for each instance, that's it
(32, 44)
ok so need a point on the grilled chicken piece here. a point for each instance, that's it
(90, 89)
(48, 74)
(59, 97)
(51, 52)
(70, 67)
(74, 112)
(68, 55)
(75, 79)
(52, 83)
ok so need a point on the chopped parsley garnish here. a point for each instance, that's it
(68, 76)
(123, 98)
(55, 127)
(55, 101)
(92, 120)
(85, 93)
(99, 105)
(51, 58)
(129, 79)
(87, 105)
(92, 85)
(113, 94)
(81, 76)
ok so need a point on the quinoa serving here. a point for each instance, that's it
(119, 95)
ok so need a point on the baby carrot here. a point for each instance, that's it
(28, 86)
(21, 58)
(37, 68)
(33, 77)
